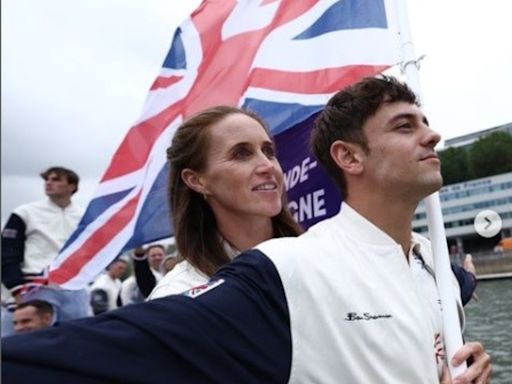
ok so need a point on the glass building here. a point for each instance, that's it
(461, 203)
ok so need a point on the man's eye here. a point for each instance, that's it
(404, 127)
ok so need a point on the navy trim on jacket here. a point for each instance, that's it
(236, 331)
(145, 279)
(13, 251)
(467, 282)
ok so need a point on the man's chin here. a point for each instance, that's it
(434, 185)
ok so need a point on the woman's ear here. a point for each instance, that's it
(348, 156)
(193, 180)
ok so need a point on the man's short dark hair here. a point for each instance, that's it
(345, 114)
(42, 306)
(70, 175)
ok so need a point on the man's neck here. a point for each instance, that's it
(392, 216)
(62, 202)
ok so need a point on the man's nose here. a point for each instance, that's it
(432, 138)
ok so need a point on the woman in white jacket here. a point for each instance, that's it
(226, 192)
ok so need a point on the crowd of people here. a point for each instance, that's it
(353, 297)
(31, 239)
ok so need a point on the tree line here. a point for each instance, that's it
(490, 155)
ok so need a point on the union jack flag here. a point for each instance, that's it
(280, 58)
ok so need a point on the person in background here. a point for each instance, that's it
(169, 262)
(105, 289)
(352, 299)
(32, 238)
(31, 315)
(226, 192)
(8, 307)
(146, 273)
(466, 276)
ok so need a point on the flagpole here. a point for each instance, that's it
(451, 326)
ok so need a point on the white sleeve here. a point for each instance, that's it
(181, 278)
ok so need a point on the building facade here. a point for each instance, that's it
(466, 141)
(461, 203)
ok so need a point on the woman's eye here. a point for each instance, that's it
(241, 153)
(269, 152)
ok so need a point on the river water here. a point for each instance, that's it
(490, 321)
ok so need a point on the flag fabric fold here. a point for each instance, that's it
(282, 59)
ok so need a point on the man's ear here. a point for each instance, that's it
(348, 156)
(47, 318)
(193, 180)
(72, 188)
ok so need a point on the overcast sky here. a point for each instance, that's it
(75, 75)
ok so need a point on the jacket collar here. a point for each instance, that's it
(361, 229)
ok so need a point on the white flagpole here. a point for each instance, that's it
(451, 326)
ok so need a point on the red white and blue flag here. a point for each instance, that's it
(280, 58)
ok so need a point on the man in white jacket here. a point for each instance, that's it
(146, 274)
(105, 289)
(376, 142)
(32, 238)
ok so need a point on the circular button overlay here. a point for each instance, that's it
(487, 223)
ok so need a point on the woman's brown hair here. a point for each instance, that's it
(195, 228)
